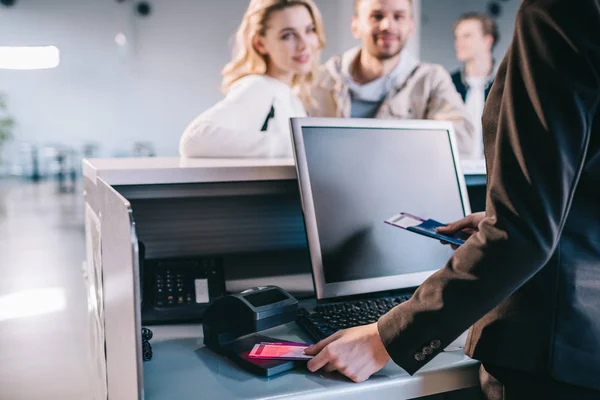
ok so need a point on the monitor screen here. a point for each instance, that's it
(360, 176)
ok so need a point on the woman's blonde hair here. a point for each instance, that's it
(247, 61)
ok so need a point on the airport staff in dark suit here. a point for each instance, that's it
(528, 279)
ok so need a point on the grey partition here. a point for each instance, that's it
(120, 290)
(220, 218)
(255, 228)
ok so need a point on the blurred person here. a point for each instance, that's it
(527, 281)
(266, 83)
(381, 79)
(475, 37)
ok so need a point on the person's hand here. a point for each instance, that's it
(468, 225)
(356, 353)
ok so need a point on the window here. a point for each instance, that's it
(32, 57)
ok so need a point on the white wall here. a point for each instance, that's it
(170, 73)
(437, 20)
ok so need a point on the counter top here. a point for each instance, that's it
(182, 368)
(473, 167)
(170, 170)
(167, 170)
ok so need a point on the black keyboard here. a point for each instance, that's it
(327, 319)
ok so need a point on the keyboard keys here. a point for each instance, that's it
(171, 290)
(327, 319)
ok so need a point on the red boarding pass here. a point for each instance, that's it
(280, 351)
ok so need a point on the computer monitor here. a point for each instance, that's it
(356, 173)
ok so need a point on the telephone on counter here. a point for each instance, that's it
(179, 289)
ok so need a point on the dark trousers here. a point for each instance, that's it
(505, 384)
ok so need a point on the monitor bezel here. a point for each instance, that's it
(369, 285)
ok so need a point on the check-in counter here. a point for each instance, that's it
(476, 181)
(245, 215)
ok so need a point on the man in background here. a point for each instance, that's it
(380, 79)
(475, 36)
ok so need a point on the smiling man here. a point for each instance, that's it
(381, 79)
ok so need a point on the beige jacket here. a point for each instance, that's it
(427, 93)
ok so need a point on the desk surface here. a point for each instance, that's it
(473, 167)
(168, 170)
(182, 368)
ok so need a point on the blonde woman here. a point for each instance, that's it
(267, 82)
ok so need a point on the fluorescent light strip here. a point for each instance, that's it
(33, 57)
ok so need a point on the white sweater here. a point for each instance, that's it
(232, 127)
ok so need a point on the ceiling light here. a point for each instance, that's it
(32, 57)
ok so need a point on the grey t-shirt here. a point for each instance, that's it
(367, 98)
(363, 108)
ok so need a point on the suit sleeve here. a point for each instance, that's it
(445, 104)
(541, 112)
(232, 128)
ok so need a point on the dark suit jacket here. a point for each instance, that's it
(529, 280)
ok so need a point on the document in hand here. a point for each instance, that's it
(426, 227)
